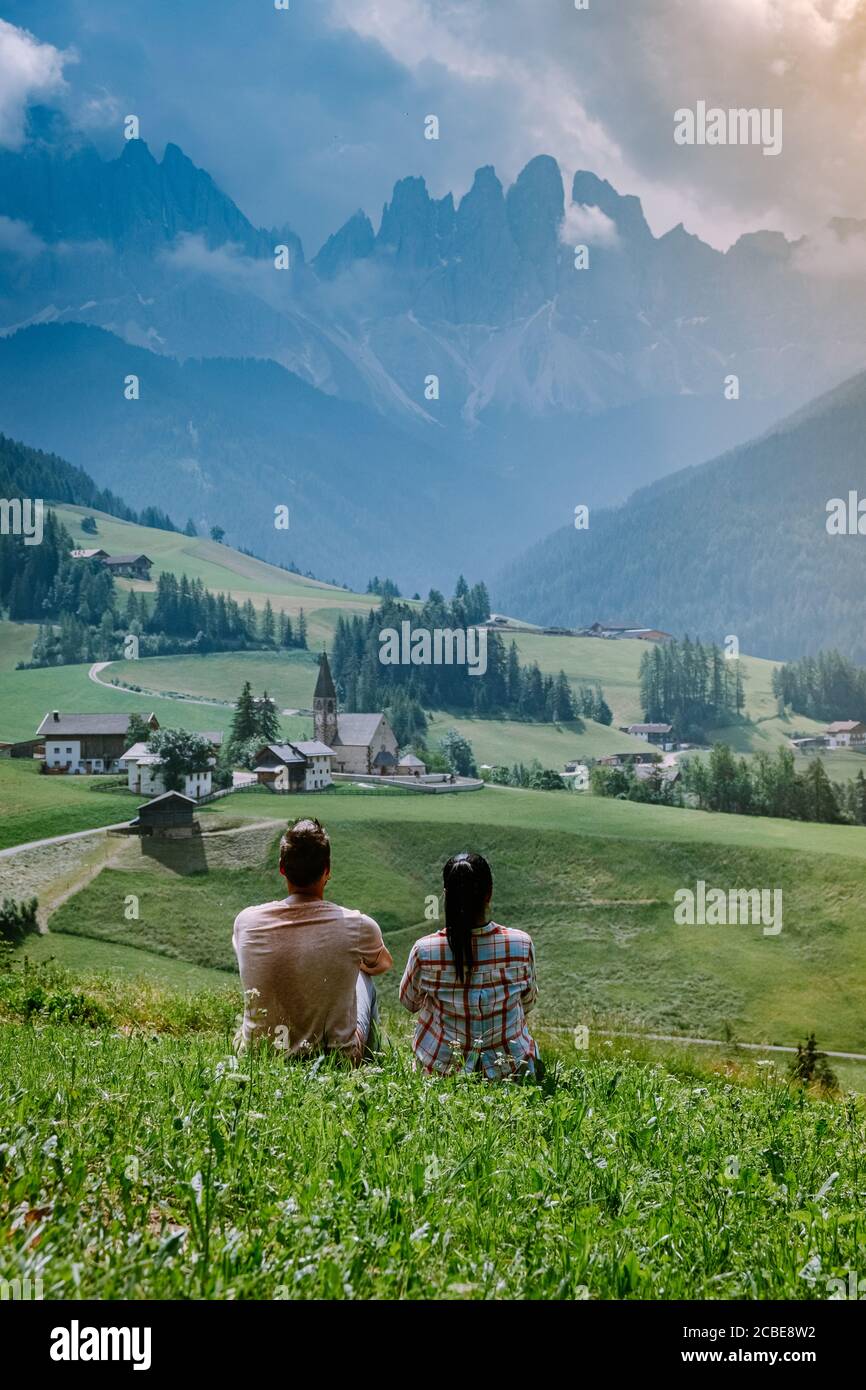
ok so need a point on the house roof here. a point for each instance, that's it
(167, 796)
(844, 726)
(357, 730)
(411, 761)
(649, 728)
(384, 759)
(87, 554)
(283, 752)
(214, 736)
(127, 559)
(134, 754)
(313, 748)
(69, 725)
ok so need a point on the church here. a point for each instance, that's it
(361, 743)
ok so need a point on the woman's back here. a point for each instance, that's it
(471, 1002)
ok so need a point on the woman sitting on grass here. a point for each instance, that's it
(472, 984)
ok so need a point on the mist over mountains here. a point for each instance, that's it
(553, 385)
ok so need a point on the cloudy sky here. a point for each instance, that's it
(304, 115)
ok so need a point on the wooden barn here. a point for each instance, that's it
(169, 814)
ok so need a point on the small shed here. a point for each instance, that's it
(410, 766)
(170, 813)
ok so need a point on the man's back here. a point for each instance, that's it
(299, 959)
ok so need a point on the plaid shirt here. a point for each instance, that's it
(479, 1022)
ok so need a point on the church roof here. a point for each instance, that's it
(357, 730)
(384, 759)
(324, 685)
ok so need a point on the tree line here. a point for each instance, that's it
(827, 686)
(507, 687)
(82, 616)
(690, 686)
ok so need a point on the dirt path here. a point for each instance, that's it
(95, 674)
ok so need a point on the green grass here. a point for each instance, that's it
(35, 807)
(84, 955)
(507, 741)
(594, 883)
(289, 677)
(157, 1170)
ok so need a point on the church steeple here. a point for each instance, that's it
(325, 704)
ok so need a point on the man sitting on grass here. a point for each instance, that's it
(305, 964)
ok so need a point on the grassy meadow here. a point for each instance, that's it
(592, 880)
(160, 1168)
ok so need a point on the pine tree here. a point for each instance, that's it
(302, 631)
(268, 720)
(244, 720)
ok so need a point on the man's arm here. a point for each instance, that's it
(375, 956)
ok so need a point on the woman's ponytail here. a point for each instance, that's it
(468, 887)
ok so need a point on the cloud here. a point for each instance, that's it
(28, 70)
(587, 224)
(833, 255)
(18, 239)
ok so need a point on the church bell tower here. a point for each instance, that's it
(325, 705)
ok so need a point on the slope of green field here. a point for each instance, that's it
(220, 568)
(598, 902)
(35, 808)
(182, 1177)
(508, 741)
(288, 676)
(26, 696)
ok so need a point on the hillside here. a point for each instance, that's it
(737, 545)
(196, 1180)
(594, 881)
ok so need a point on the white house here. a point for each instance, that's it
(144, 774)
(846, 733)
(576, 776)
(295, 767)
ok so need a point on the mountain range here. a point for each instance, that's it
(448, 375)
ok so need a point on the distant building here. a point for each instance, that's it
(129, 566)
(410, 766)
(657, 734)
(621, 631)
(304, 766)
(85, 742)
(169, 814)
(576, 776)
(846, 733)
(145, 776)
(123, 566)
(362, 743)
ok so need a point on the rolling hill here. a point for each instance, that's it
(738, 545)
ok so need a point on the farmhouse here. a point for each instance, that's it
(294, 767)
(363, 743)
(129, 566)
(619, 632)
(122, 566)
(657, 734)
(85, 742)
(846, 733)
(145, 776)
